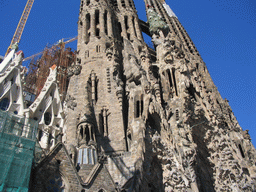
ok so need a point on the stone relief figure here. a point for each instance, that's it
(74, 70)
(70, 102)
(135, 75)
(171, 49)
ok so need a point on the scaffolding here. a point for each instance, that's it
(39, 68)
(17, 146)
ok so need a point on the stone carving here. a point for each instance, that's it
(156, 22)
(70, 102)
(74, 70)
(246, 135)
(172, 49)
(133, 71)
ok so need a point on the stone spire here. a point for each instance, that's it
(164, 10)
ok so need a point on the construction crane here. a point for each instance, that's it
(21, 25)
(61, 43)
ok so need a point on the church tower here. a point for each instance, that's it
(142, 119)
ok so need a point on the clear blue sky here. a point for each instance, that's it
(224, 32)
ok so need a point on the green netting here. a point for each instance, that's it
(17, 145)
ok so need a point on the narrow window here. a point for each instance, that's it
(137, 114)
(141, 106)
(138, 107)
(97, 20)
(97, 48)
(81, 132)
(174, 81)
(87, 2)
(40, 135)
(88, 20)
(105, 22)
(170, 78)
(87, 135)
(126, 22)
(119, 32)
(97, 32)
(241, 151)
(88, 26)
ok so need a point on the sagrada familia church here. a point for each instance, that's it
(134, 118)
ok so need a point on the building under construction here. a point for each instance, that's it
(38, 69)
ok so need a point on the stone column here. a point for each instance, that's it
(105, 122)
(132, 30)
(124, 29)
(102, 26)
(90, 132)
(137, 28)
(26, 129)
(110, 27)
(93, 24)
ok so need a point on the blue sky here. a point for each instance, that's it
(224, 32)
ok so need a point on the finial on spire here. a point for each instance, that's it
(169, 10)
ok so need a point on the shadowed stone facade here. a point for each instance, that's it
(138, 119)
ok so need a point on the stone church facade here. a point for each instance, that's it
(137, 118)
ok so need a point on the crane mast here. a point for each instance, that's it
(21, 25)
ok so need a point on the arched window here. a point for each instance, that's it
(87, 156)
(4, 104)
(55, 183)
(47, 118)
(138, 107)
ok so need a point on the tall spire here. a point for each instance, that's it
(172, 21)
